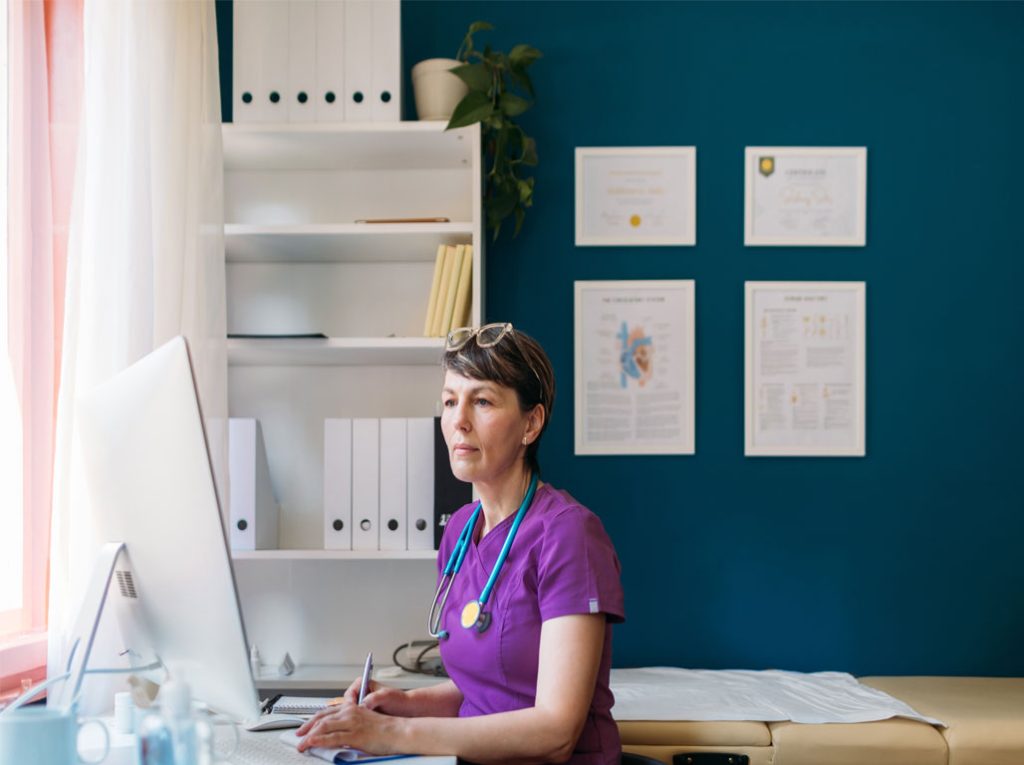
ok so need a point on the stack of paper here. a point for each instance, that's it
(450, 290)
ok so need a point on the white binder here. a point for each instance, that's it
(392, 483)
(358, 60)
(338, 484)
(260, 60)
(365, 484)
(254, 512)
(386, 64)
(330, 61)
(245, 64)
(301, 92)
(420, 523)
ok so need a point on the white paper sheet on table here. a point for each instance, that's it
(670, 693)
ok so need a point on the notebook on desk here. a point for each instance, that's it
(301, 705)
(340, 755)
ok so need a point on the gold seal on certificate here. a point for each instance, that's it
(766, 165)
(636, 196)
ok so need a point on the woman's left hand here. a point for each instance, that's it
(354, 726)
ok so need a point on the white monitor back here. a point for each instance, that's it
(151, 484)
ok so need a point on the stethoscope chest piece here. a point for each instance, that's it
(474, 616)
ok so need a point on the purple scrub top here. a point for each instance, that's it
(560, 563)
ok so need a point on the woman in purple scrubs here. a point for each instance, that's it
(529, 656)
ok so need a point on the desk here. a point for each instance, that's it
(254, 749)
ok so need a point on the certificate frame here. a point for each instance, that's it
(674, 300)
(761, 199)
(856, 444)
(600, 208)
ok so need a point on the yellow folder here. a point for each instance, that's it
(453, 288)
(435, 287)
(442, 295)
(460, 314)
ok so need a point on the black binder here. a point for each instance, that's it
(449, 492)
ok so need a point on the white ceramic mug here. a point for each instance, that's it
(42, 736)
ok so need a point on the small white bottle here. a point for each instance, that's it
(176, 707)
(153, 741)
(254, 661)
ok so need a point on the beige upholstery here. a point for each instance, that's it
(886, 742)
(662, 740)
(687, 733)
(758, 755)
(985, 715)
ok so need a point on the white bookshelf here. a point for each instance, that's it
(297, 262)
(336, 351)
(327, 677)
(341, 242)
(300, 555)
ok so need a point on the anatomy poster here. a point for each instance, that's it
(634, 367)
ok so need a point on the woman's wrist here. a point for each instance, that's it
(399, 734)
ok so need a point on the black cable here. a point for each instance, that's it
(418, 667)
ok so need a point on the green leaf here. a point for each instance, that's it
(526, 192)
(475, 107)
(523, 81)
(480, 26)
(522, 56)
(513, 105)
(520, 216)
(529, 156)
(475, 76)
(502, 204)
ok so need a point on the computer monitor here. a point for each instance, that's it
(151, 487)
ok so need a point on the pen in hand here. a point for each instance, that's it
(364, 686)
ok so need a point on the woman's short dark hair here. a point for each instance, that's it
(516, 361)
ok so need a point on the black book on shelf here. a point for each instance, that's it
(449, 492)
(302, 336)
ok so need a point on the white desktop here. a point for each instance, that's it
(151, 485)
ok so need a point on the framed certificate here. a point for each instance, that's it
(804, 358)
(805, 196)
(636, 196)
(634, 367)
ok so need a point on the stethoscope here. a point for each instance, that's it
(473, 614)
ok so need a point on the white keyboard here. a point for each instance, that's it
(267, 749)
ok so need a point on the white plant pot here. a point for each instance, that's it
(436, 89)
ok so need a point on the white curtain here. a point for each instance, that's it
(146, 254)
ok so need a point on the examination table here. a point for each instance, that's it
(984, 720)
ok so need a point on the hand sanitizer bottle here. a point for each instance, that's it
(176, 706)
(169, 738)
(154, 746)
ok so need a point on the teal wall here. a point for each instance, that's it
(907, 561)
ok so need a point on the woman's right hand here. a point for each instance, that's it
(380, 698)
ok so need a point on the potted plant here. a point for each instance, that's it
(491, 77)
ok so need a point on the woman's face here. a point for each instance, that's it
(486, 431)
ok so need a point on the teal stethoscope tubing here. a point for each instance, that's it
(459, 553)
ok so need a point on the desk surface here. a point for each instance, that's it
(254, 748)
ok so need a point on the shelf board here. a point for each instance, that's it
(336, 243)
(312, 677)
(336, 351)
(294, 555)
(348, 146)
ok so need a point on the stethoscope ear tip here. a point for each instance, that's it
(442, 635)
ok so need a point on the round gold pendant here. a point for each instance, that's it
(470, 614)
